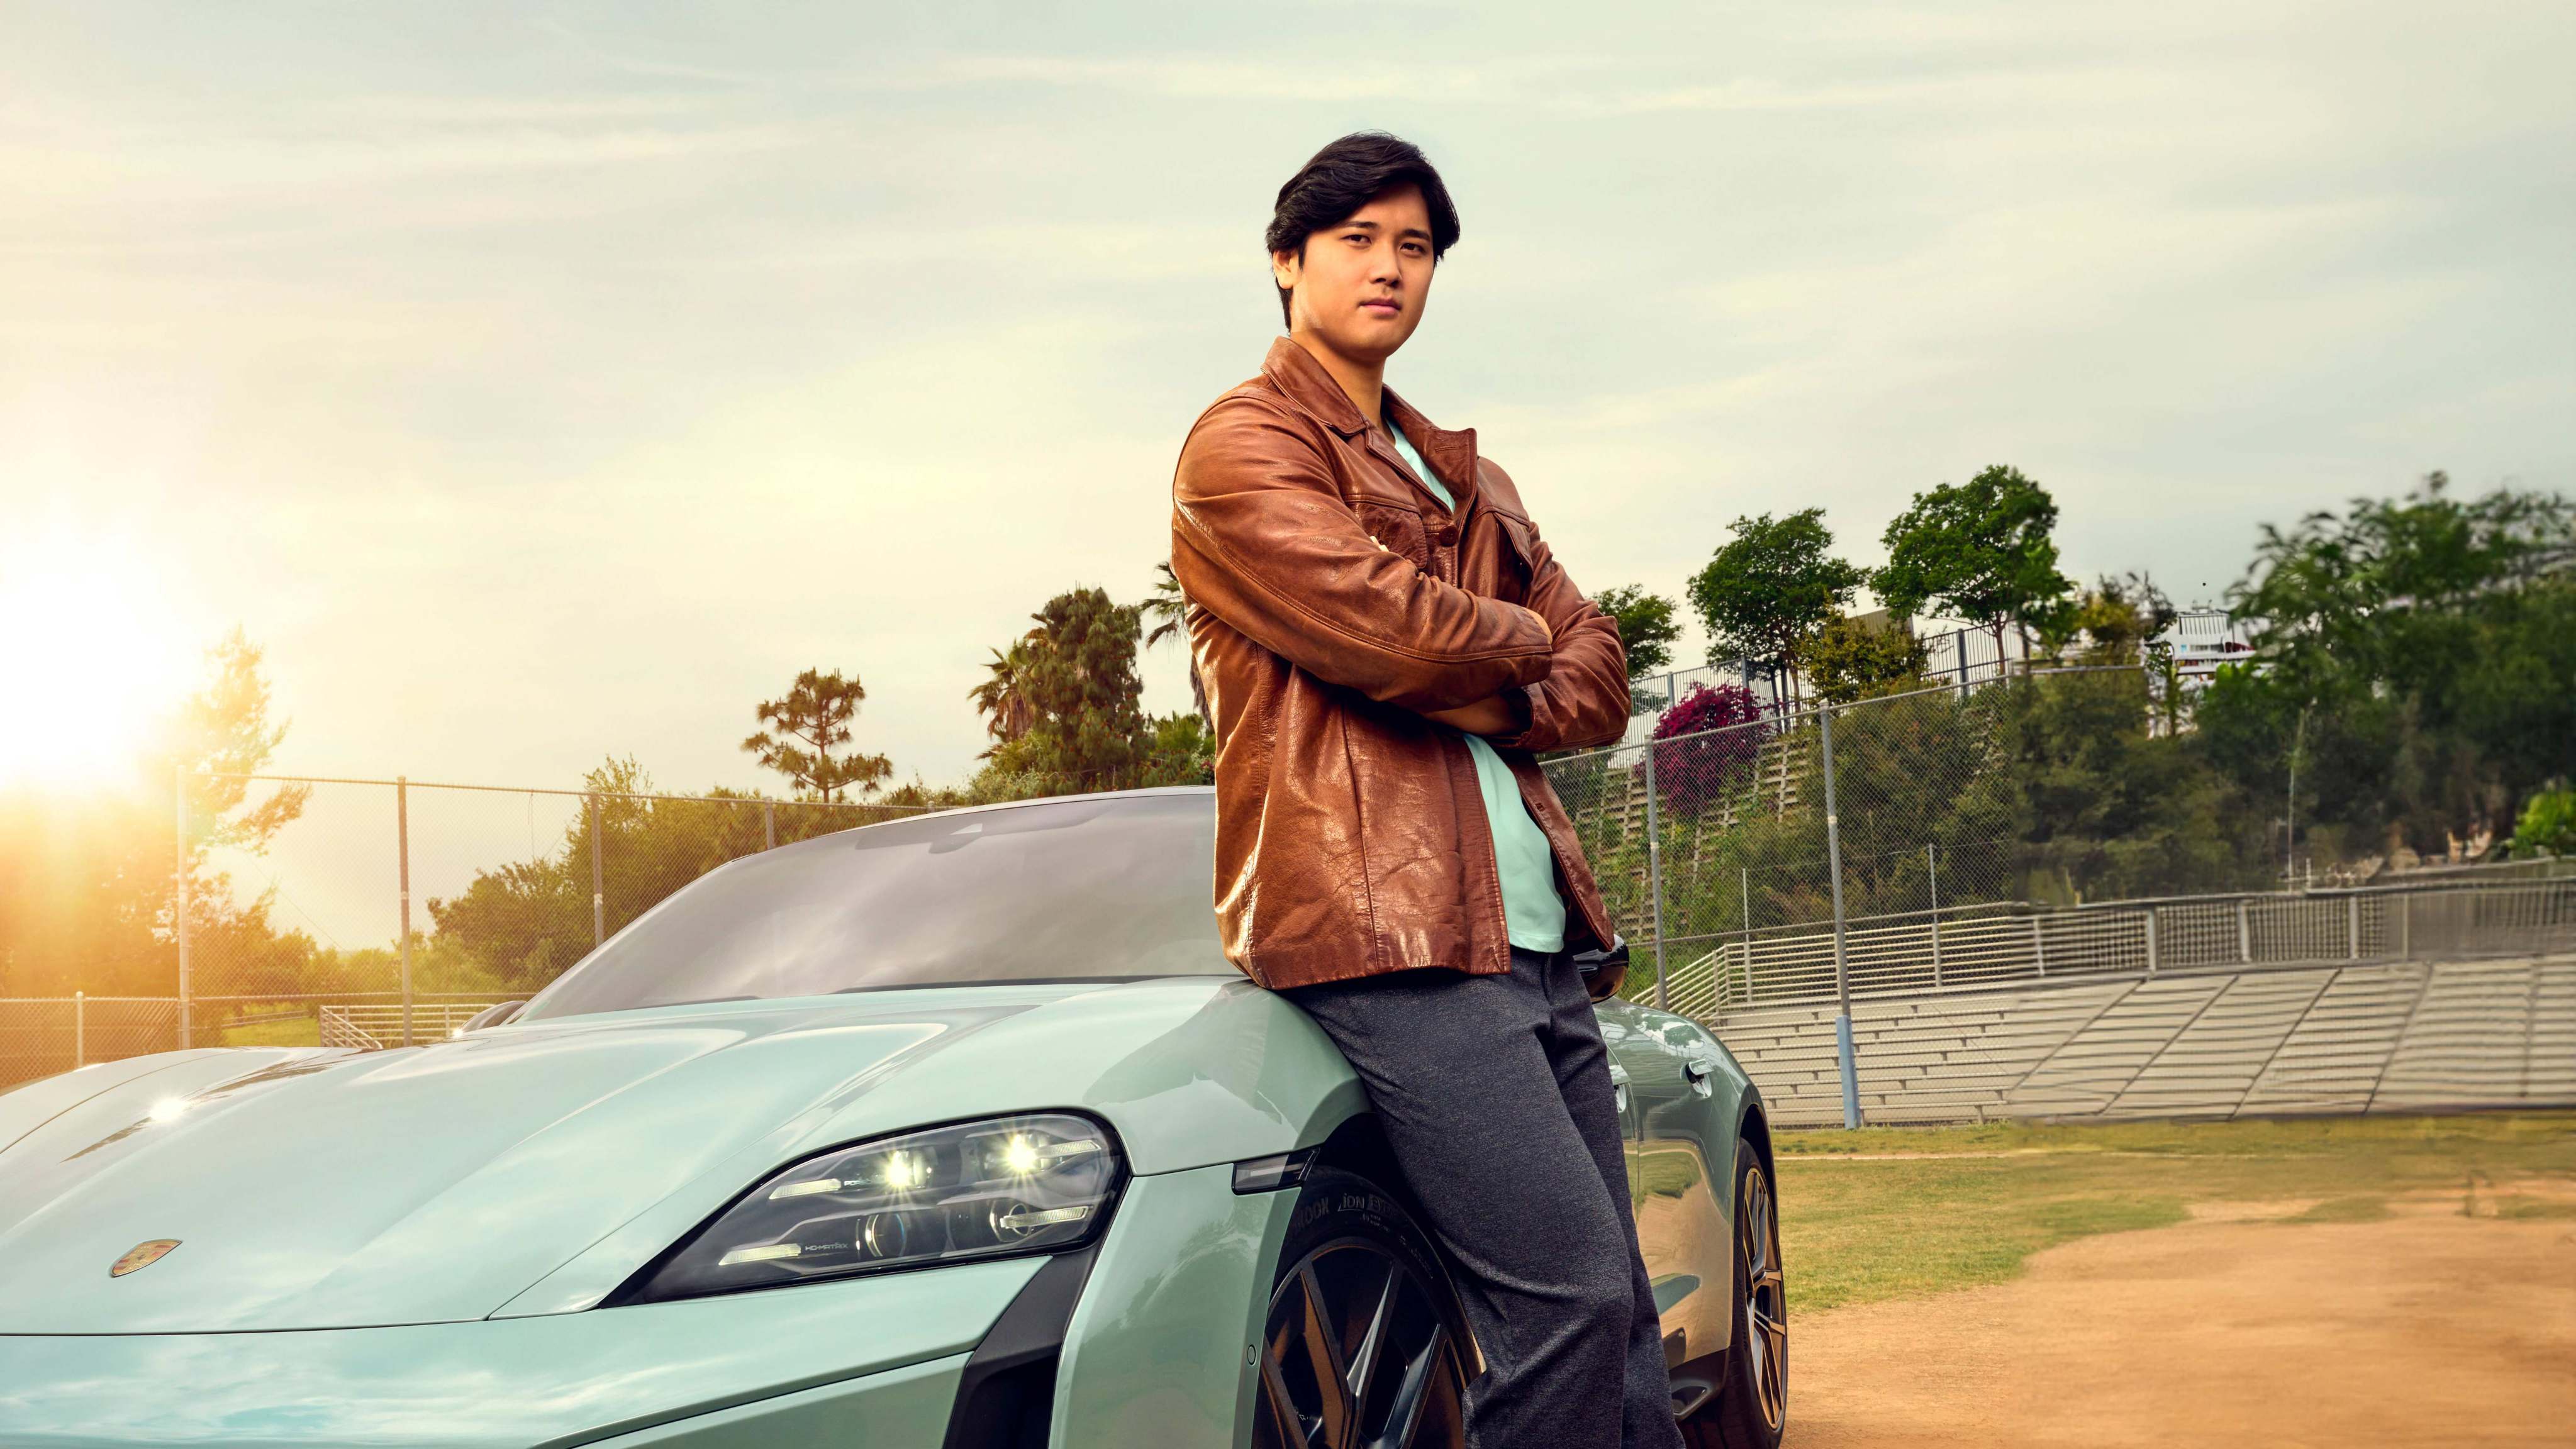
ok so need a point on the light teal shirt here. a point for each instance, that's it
(1533, 913)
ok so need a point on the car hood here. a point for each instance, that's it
(530, 1169)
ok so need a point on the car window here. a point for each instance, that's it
(1104, 888)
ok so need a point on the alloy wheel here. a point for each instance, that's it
(1765, 1338)
(1357, 1356)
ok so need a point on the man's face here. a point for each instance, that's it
(1360, 286)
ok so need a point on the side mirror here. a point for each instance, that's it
(1604, 971)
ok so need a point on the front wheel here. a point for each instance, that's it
(1364, 1344)
(1752, 1408)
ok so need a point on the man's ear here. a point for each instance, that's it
(1284, 267)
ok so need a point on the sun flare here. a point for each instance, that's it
(91, 658)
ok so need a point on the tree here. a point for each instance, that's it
(87, 899)
(1077, 674)
(1179, 751)
(1646, 628)
(1766, 591)
(1000, 699)
(1982, 551)
(1169, 609)
(1854, 658)
(2417, 655)
(805, 726)
(2115, 622)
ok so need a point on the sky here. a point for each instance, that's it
(539, 382)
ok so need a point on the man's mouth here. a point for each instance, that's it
(1382, 306)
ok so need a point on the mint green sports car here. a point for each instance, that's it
(956, 1131)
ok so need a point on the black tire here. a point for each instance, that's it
(1364, 1345)
(1751, 1409)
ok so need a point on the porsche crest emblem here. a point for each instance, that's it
(141, 1255)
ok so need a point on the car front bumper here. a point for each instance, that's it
(1156, 1348)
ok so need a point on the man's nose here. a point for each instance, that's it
(1382, 267)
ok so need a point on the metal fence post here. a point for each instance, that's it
(1842, 951)
(80, 1029)
(598, 890)
(2406, 925)
(1932, 868)
(1655, 875)
(2352, 927)
(2244, 935)
(2151, 940)
(179, 912)
(769, 825)
(2038, 943)
(402, 869)
(1744, 883)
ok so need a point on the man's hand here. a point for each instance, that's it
(1487, 716)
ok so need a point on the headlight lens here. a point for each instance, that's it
(1042, 1182)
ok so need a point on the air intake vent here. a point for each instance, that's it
(1006, 1394)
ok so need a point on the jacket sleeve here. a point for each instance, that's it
(1583, 701)
(1262, 539)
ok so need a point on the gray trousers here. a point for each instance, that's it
(1495, 1093)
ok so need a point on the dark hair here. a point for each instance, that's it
(1347, 175)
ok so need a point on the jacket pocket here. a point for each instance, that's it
(1397, 530)
(1516, 558)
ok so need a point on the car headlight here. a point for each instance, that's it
(1035, 1183)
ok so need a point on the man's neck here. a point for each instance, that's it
(1364, 383)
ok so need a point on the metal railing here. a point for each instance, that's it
(374, 1028)
(1991, 945)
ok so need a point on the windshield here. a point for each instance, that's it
(1097, 889)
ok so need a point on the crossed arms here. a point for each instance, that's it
(1262, 539)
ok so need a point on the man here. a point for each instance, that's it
(1385, 644)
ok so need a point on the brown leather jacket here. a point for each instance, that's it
(1329, 599)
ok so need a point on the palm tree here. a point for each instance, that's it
(1169, 608)
(1002, 699)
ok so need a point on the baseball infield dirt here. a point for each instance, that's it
(2432, 1327)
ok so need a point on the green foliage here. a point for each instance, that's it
(2114, 622)
(2096, 807)
(1980, 551)
(1856, 658)
(2547, 826)
(1000, 699)
(1179, 751)
(1771, 586)
(803, 727)
(1075, 675)
(1647, 630)
(2419, 657)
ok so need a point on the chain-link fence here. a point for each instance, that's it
(1988, 830)
(295, 910)
(1959, 658)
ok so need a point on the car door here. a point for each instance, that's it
(1680, 1105)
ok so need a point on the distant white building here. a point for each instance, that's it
(2203, 639)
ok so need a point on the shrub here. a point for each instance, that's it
(1706, 744)
(2548, 825)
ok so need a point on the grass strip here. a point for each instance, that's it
(1895, 1212)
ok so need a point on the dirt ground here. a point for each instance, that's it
(2426, 1328)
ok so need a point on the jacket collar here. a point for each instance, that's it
(1304, 382)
